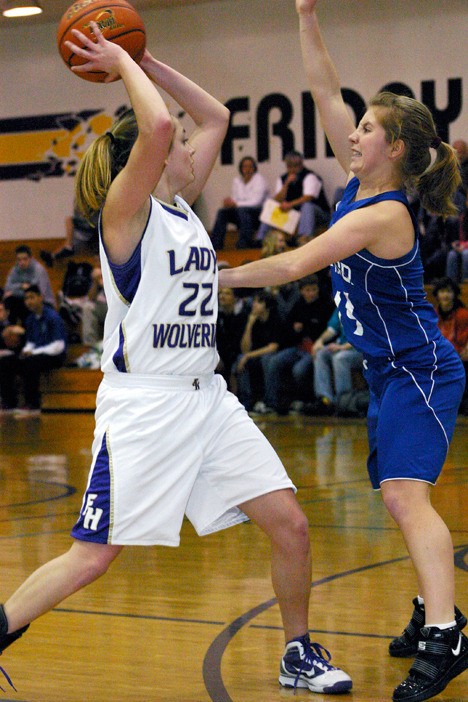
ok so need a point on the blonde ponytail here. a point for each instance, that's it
(104, 159)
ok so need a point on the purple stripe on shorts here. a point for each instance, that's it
(94, 521)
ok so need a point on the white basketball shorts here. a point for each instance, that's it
(169, 446)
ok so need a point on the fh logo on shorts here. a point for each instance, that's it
(91, 516)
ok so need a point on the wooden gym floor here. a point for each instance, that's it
(200, 623)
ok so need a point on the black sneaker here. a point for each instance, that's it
(320, 407)
(407, 644)
(441, 656)
(7, 639)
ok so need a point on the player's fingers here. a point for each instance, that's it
(97, 32)
(83, 39)
(83, 68)
(79, 50)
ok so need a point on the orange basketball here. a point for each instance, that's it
(118, 21)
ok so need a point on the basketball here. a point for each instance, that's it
(118, 21)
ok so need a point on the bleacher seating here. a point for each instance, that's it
(71, 388)
(67, 388)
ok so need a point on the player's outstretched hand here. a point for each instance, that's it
(102, 55)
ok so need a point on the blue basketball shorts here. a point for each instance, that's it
(412, 413)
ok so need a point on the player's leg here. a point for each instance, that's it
(442, 649)
(428, 542)
(278, 514)
(404, 462)
(242, 477)
(83, 563)
(304, 664)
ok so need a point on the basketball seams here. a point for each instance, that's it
(132, 35)
(91, 11)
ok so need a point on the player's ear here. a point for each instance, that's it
(398, 149)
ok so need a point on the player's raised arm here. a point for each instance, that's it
(211, 118)
(126, 192)
(324, 83)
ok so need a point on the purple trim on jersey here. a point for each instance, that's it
(127, 275)
(94, 521)
(119, 357)
(173, 211)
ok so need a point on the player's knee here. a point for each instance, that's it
(296, 533)
(396, 504)
(88, 572)
(99, 566)
(91, 567)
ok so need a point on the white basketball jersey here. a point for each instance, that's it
(163, 303)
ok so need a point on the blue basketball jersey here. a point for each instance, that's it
(415, 377)
(382, 302)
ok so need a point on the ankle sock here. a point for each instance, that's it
(442, 627)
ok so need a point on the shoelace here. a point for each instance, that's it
(9, 680)
(311, 650)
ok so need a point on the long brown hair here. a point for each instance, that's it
(409, 120)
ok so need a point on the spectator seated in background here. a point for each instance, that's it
(249, 191)
(91, 314)
(11, 335)
(275, 242)
(453, 324)
(94, 311)
(334, 360)
(289, 373)
(259, 341)
(73, 297)
(26, 272)
(44, 349)
(457, 257)
(81, 237)
(301, 189)
(232, 319)
(438, 235)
